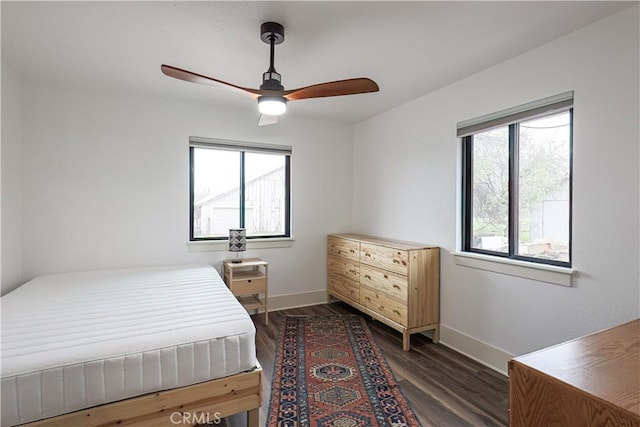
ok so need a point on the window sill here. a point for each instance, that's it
(528, 270)
(223, 245)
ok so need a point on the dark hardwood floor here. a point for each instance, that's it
(443, 387)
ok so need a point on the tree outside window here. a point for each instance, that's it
(517, 189)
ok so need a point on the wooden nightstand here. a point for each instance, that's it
(248, 280)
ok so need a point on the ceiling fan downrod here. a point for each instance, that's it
(272, 33)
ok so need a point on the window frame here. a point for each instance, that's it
(513, 188)
(242, 148)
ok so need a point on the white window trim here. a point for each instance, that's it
(558, 275)
(223, 245)
(529, 270)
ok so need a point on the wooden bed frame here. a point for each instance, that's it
(190, 405)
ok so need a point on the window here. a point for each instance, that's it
(516, 179)
(235, 184)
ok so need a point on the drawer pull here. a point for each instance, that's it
(396, 286)
(386, 277)
(396, 312)
(352, 251)
(352, 271)
(366, 276)
(381, 308)
(395, 261)
(367, 254)
(368, 299)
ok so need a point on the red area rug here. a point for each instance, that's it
(329, 372)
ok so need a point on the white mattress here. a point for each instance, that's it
(72, 341)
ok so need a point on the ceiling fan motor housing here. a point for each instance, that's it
(271, 80)
(272, 29)
(272, 34)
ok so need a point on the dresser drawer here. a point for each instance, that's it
(396, 260)
(343, 248)
(248, 286)
(343, 267)
(345, 287)
(392, 284)
(383, 305)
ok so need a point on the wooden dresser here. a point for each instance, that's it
(395, 282)
(590, 381)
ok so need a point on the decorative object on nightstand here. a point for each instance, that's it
(248, 280)
(237, 242)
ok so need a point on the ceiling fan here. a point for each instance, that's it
(272, 97)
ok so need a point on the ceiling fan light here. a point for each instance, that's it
(272, 105)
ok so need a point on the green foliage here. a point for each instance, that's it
(543, 173)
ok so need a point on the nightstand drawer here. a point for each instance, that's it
(248, 286)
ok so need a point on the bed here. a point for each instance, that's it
(148, 346)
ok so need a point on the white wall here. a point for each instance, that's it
(106, 183)
(11, 226)
(406, 186)
(97, 179)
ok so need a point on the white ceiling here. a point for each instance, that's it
(408, 48)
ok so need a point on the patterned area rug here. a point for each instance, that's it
(329, 372)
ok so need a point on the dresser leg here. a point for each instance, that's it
(436, 335)
(406, 340)
(253, 417)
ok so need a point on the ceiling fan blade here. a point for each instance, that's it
(265, 120)
(189, 76)
(337, 88)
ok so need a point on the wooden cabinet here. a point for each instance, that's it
(248, 281)
(395, 282)
(588, 382)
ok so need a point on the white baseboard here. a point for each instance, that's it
(282, 302)
(480, 351)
